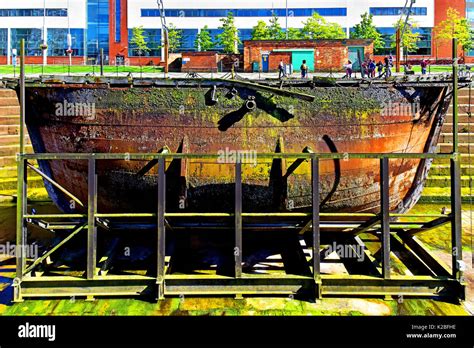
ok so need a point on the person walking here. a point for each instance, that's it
(380, 69)
(281, 69)
(423, 65)
(388, 71)
(371, 68)
(304, 70)
(348, 68)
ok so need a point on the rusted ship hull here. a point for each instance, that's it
(209, 117)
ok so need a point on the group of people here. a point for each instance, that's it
(368, 68)
(384, 69)
(282, 72)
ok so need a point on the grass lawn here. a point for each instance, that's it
(77, 69)
(434, 68)
(84, 69)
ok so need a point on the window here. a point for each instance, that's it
(188, 39)
(97, 28)
(33, 12)
(424, 45)
(281, 12)
(57, 42)
(118, 20)
(3, 42)
(214, 33)
(32, 40)
(153, 40)
(396, 11)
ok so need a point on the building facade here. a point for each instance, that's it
(96, 25)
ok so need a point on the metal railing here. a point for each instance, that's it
(240, 283)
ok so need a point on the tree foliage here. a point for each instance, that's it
(455, 26)
(294, 34)
(275, 31)
(410, 37)
(366, 29)
(138, 41)
(260, 31)
(203, 40)
(175, 38)
(229, 38)
(316, 27)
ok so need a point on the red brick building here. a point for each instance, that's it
(443, 48)
(320, 55)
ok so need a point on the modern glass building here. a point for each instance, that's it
(107, 24)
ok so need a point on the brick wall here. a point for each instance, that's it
(443, 48)
(275, 58)
(200, 61)
(329, 55)
(51, 60)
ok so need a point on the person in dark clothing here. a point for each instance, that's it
(388, 65)
(380, 69)
(423, 64)
(371, 68)
(304, 70)
(281, 69)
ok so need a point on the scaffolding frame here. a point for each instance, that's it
(441, 281)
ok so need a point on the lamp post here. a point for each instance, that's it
(69, 38)
(44, 43)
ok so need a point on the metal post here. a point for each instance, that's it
(385, 218)
(456, 223)
(21, 184)
(161, 243)
(101, 62)
(397, 57)
(92, 228)
(455, 96)
(316, 234)
(22, 96)
(238, 220)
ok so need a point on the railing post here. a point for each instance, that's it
(384, 215)
(316, 229)
(91, 225)
(456, 222)
(455, 97)
(161, 242)
(238, 220)
(21, 205)
(101, 62)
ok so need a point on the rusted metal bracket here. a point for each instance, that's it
(149, 166)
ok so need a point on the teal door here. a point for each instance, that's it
(354, 53)
(297, 58)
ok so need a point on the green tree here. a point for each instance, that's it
(294, 34)
(410, 38)
(138, 41)
(203, 40)
(229, 38)
(367, 30)
(316, 27)
(274, 29)
(455, 27)
(260, 31)
(175, 38)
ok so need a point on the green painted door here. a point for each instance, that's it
(354, 53)
(297, 58)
